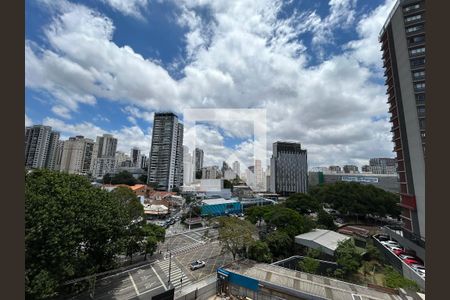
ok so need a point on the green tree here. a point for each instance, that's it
(394, 279)
(255, 214)
(348, 257)
(227, 184)
(143, 179)
(259, 251)
(287, 220)
(357, 199)
(326, 220)
(134, 217)
(235, 234)
(302, 203)
(72, 229)
(124, 177)
(309, 265)
(280, 243)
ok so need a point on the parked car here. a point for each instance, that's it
(411, 261)
(390, 242)
(382, 237)
(411, 257)
(197, 265)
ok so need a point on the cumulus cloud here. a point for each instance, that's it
(28, 121)
(242, 55)
(132, 8)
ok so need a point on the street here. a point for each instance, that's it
(153, 278)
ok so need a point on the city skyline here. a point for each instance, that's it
(190, 71)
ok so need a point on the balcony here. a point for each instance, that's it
(408, 201)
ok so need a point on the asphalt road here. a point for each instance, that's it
(151, 279)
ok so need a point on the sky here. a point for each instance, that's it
(106, 66)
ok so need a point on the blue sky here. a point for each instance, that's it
(100, 66)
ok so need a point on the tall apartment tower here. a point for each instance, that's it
(288, 169)
(103, 156)
(136, 157)
(402, 41)
(166, 154)
(198, 155)
(76, 155)
(40, 147)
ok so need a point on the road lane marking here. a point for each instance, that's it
(192, 238)
(134, 284)
(162, 282)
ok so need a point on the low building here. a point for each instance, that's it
(263, 281)
(387, 182)
(326, 241)
(220, 207)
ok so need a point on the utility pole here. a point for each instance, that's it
(170, 265)
(190, 217)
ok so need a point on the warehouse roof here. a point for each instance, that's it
(325, 240)
(218, 201)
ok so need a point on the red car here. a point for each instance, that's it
(398, 251)
(411, 261)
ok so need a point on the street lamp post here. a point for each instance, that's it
(170, 265)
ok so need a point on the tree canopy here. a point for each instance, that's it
(123, 177)
(348, 258)
(235, 234)
(357, 199)
(73, 229)
(302, 203)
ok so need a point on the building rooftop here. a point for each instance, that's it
(218, 201)
(301, 284)
(325, 240)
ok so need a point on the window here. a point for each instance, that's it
(417, 39)
(422, 124)
(417, 51)
(422, 134)
(420, 97)
(421, 111)
(418, 74)
(418, 62)
(419, 86)
(413, 18)
(414, 28)
(411, 7)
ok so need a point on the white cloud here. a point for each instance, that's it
(132, 8)
(28, 121)
(242, 56)
(367, 48)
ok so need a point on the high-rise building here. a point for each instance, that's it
(40, 147)
(103, 156)
(121, 157)
(166, 154)
(188, 167)
(144, 161)
(212, 172)
(198, 156)
(135, 157)
(259, 180)
(383, 165)
(289, 169)
(76, 155)
(237, 168)
(402, 41)
(350, 169)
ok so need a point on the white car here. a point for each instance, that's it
(390, 242)
(405, 256)
(197, 265)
